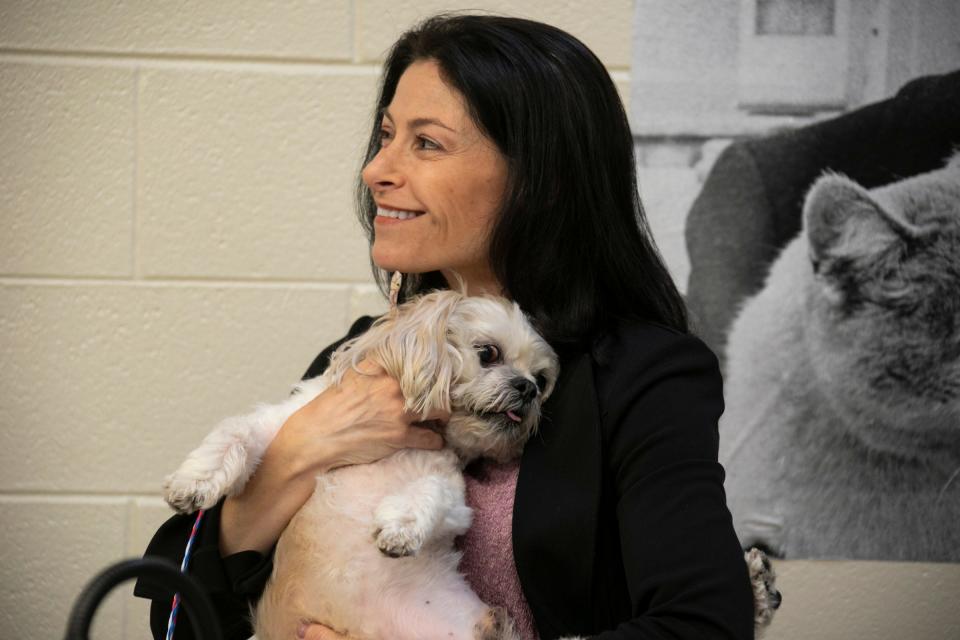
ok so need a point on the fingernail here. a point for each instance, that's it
(302, 629)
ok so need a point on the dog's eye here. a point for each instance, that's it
(541, 382)
(488, 353)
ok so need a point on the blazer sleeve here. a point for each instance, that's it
(233, 582)
(684, 567)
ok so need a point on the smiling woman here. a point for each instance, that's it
(500, 152)
(561, 229)
(437, 181)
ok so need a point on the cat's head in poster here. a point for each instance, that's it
(885, 296)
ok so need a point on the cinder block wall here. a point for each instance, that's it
(177, 242)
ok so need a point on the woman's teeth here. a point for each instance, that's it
(399, 215)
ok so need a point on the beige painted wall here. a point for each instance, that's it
(177, 243)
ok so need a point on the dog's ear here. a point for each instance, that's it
(412, 344)
(417, 351)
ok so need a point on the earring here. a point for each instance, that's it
(396, 281)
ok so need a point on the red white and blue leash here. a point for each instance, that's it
(175, 607)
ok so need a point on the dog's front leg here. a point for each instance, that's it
(225, 460)
(429, 508)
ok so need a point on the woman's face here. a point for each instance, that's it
(438, 183)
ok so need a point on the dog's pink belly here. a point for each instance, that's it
(328, 569)
(398, 605)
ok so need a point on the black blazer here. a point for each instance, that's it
(620, 523)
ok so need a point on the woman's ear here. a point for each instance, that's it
(416, 350)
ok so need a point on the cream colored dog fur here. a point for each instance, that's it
(371, 553)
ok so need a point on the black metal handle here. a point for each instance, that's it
(163, 572)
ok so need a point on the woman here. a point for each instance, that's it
(501, 152)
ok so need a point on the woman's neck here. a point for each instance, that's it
(476, 283)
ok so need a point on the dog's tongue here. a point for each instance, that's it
(513, 416)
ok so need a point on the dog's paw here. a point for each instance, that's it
(186, 494)
(397, 540)
(495, 625)
(763, 579)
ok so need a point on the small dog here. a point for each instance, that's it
(371, 553)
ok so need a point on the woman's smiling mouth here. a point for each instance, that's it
(394, 214)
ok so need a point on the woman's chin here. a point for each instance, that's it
(386, 260)
(395, 263)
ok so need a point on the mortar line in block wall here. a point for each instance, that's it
(188, 60)
(185, 282)
(13, 496)
(333, 66)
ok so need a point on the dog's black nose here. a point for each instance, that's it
(526, 388)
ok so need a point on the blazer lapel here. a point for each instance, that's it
(556, 504)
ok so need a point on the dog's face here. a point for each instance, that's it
(506, 371)
(478, 358)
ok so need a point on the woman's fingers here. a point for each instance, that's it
(423, 438)
(318, 632)
(436, 420)
(373, 406)
(424, 432)
(369, 367)
(438, 415)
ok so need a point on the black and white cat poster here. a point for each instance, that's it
(825, 272)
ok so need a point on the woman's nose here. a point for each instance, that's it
(382, 173)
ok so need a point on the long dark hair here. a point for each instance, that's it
(571, 244)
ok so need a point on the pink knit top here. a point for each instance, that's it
(487, 546)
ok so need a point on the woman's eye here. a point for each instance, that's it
(488, 353)
(385, 135)
(427, 144)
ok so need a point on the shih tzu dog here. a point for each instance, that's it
(371, 554)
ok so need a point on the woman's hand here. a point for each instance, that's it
(318, 632)
(361, 420)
